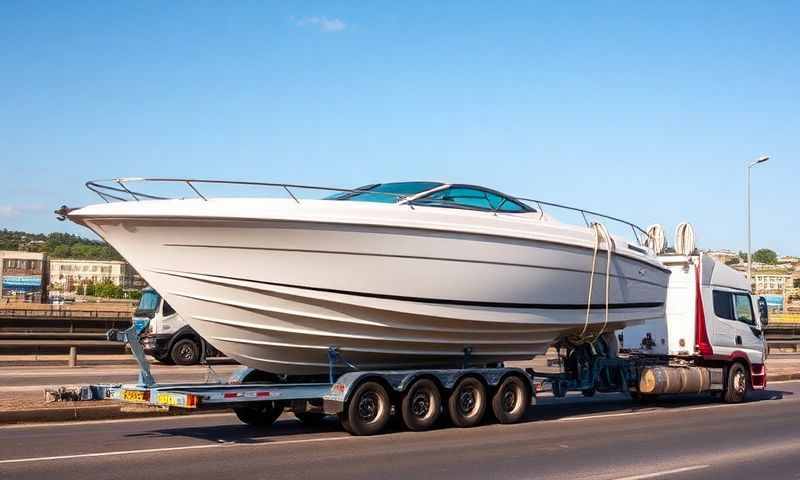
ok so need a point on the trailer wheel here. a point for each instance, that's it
(467, 402)
(510, 400)
(421, 405)
(367, 411)
(262, 415)
(736, 385)
(310, 419)
(185, 352)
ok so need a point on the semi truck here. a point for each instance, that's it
(165, 335)
(710, 342)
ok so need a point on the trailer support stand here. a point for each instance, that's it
(131, 337)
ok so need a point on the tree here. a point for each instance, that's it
(765, 255)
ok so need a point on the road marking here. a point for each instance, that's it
(662, 473)
(175, 449)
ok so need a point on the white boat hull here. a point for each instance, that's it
(276, 293)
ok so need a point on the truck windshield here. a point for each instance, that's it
(148, 304)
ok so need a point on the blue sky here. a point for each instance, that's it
(644, 110)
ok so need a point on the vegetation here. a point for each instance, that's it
(765, 255)
(107, 289)
(58, 245)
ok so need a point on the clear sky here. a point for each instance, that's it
(644, 110)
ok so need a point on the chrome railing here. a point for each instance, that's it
(117, 190)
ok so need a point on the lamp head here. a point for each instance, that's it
(762, 159)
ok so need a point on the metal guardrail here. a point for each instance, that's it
(59, 313)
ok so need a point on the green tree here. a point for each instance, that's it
(765, 255)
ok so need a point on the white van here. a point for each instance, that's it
(165, 335)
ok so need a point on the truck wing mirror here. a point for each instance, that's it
(763, 311)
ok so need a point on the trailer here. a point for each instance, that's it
(710, 342)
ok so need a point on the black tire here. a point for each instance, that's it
(185, 351)
(467, 402)
(311, 419)
(736, 384)
(421, 405)
(510, 400)
(262, 415)
(367, 411)
(589, 392)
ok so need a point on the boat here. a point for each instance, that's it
(386, 276)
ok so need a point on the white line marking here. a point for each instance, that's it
(175, 449)
(665, 472)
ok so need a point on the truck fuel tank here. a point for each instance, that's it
(658, 380)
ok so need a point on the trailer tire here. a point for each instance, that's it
(467, 402)
(262, 415)
(736, 384)
(311, 419)
(510, 400)
(185, 351)
(421, 405)
(367, 411)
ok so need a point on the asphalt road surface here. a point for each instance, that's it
(607, 437)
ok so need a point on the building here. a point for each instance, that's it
(722, 256)
(23, 276)
(68, 274)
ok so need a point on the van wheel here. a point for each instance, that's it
(262, 415)
(467, 402)
(185, 352)
(736, 385)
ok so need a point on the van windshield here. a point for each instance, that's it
(148, 304)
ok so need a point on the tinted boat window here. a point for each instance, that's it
(471, 198)
(383, 191)
(723, 305)
(168, 310)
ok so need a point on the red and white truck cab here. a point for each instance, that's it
(712, 320)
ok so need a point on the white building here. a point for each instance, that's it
(68, 274)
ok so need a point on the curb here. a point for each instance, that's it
(782, 377)
(94, 412)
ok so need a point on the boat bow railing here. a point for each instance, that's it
(117, 189)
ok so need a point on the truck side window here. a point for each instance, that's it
(168, 310)
(723, 305)
(744, 309)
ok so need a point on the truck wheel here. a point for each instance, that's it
(311, 419)
(510, 400)
(467, 402)
(185, 352)
(367, 411)
(262, 415)
(421, 405)
(736, 385)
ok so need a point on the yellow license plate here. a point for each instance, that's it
(134, 396)
(171, 400)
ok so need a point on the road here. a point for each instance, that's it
(607, 437)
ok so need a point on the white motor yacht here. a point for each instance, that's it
(393, 275)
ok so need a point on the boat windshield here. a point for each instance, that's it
(386, 192)
(148, 304)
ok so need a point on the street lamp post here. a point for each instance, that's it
(750, 165)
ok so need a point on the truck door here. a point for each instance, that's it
(737, 328)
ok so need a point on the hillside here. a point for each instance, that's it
(58, 245)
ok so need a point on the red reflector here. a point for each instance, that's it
(231, 394)
(262, 394)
